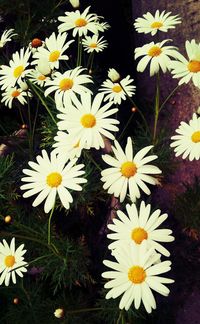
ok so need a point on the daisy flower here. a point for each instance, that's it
(65, 145)
(187, 142)
(53, 50)
(14, 93)
(187, 69)
(6, 37)
(134, 275)
(118, 91)
(67, 85)
(158, 55)
(140, 225)
(128, 171)
(160, 21)
(11, 262)
(88, 121)
(36, 77)
(81, 23)
(52, 176)
(35, 44)
(10, 75)
(94, 44)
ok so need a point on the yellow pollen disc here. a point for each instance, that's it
(138, 235)
(80, 22)
(9, 261)
(88, 120)
(54, 56)
(154, 51)
(18, 71)
(128, 169)
(41, 77)
(194, 66)
(66, 84)
(156, 24)
(93, 45)
(196, 137)
(117, 88)
(54, 179)
(136, 274)
(15, 93)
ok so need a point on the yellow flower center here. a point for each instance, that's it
(54, 56)
(194, 66)
(9, 261)
(80, 22)
(88, 120)
(15, 93)
(154, 51)
(156, 24)
(196, 137)
(18, 71)
(41, 77)
(66, 84)
(128, 169)
(93, 45)
(136, 274)
(138, 235)
(117, 88)
(54, 179)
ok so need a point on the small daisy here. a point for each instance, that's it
(53, 51)
(6, 37)
(116, 92)
(14, 93)
(65, 145)
(11, 262)
(138, 226)
(88, 121)
(52, 176)
(81, 23)
(94, 44)
(187, 142)
(158, 56)
(38, 78)
(67, 85)
(160, 21)
(187, 69)
(134, 275)
(10, 75)
(128, 171)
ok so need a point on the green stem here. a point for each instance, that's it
(84, 310)
(21, 115)
(92, 160)
(30, 128)
(42, 100)
(49, 226)
(157, 104)
(91, 62)
(79, 54)
(168, 97)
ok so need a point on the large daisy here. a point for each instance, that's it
(118, 91)
(134, 275)
(6, 37)
(65, 145)
(52, 176)
(188, 69)
(10, 75)
(11, 262)
(153, 23)
(128, 172)
(81, 23)
(14, 94)
(157, 54)
(88, 121)
(187, 140)
(94, 44)
(54, 49)
(140, 225)
(66, 85)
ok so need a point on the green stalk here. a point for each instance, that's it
(79, 54)
(30, 136)
(49, 226)
(83, 310)
(157, 104)
(168, 97)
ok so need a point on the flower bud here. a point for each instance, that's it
(7, 219)
(23, 85)
(44, 66)
(59, 312)
(75, 3)
(113, 75)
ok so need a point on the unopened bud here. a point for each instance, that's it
(59, 312)
(23, 85)
(36, 42)
(133, 109)
(7, 219)
(75, 3)
(16, 301)
(113, 75)
(43, 66)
